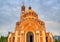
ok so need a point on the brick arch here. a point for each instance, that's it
(29, 30)
(26, 23)
(30, 37)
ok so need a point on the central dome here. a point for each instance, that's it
(31, 12)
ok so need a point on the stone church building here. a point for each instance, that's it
(29, 28)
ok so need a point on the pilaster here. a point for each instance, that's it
(16, 36)
(37, 36)
(44, 37)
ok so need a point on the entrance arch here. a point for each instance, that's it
(29, 37)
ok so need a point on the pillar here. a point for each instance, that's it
(16, 36)
(9, 38)
(37, 36)
(51, 37)
(44, 37)
(22, 36)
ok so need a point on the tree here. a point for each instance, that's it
(55, 40)
(3, 39)
(58, 40)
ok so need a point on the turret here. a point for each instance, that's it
(23, 8)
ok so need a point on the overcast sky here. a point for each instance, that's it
(47, 10)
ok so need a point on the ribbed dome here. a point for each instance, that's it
(30, 12)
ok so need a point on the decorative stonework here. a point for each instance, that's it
(37, 36)
(22, 32)
(37, 32)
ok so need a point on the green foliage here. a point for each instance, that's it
(3, 39)
(57, 40)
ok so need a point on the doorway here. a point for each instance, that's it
(30, 37)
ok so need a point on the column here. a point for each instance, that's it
(51, 37)
(16, 36)
(9, 38)
(37, 36)
(22, 36)
(44, 37)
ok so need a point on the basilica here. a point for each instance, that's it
(29, 28)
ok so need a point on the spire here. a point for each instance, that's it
(23, 7)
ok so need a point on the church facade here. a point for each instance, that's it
(29, 28)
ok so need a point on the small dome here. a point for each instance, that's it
(29, 7)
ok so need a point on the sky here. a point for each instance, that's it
(47, 10)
